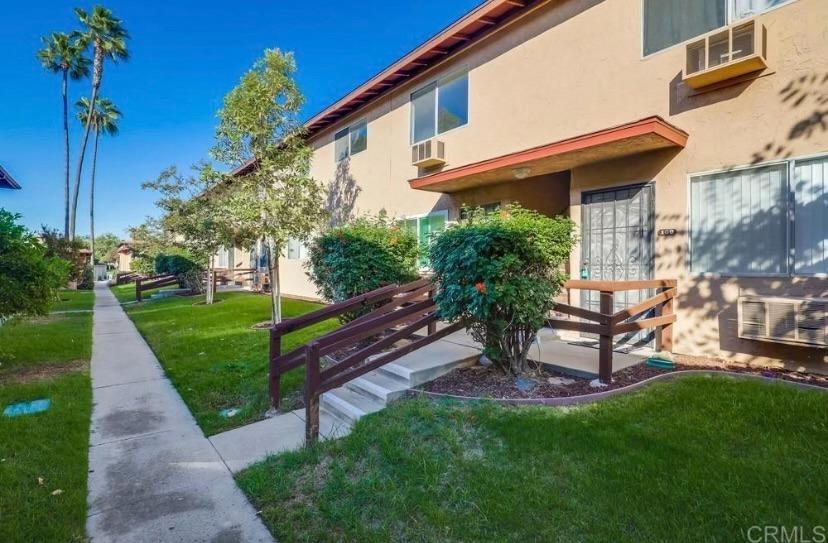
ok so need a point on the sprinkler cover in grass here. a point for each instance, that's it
(27, 408)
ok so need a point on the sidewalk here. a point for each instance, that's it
(153, 476)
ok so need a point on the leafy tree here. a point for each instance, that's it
(259, 124)
(105, 118)
(498, 274)
(108, 38)
(58, 246)
(105, 246)
(361, 256)
(193, 210)
(63, 54)
(29, 278)
(148, 241)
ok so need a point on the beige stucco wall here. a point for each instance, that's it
(574, 67)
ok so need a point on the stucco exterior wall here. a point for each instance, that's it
(574, 67)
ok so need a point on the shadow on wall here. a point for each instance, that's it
(684, 98)
(343, 191)
(730, 244)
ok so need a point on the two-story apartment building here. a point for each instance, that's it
(688, 140)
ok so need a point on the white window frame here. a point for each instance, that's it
(349, 129)
(302, 250)
(729, 20)
(436, 85)
(790, 205)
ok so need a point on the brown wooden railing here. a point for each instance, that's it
(125, 278)
(228, 276)
(403, 311)
(606, 323)
(149, 283)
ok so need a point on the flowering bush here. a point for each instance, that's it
(498, 274)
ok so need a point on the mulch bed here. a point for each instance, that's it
(485, 382)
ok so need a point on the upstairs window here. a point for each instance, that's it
(351, 140)
(670, 22)
(439, 107)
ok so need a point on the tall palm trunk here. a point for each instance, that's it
(92, 196)
(97, 73)
(66, 153)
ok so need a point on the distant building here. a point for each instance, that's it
(124, 251)
(6, 180)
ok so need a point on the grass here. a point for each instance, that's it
(698, 459)
(53, 446)
(214, 358)
(53, 341)
(46, 357)
(126, 293)
(75, 300)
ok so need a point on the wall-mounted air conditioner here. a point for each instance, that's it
(784, 320)
(428, 153)
(725, 54)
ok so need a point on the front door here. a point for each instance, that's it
(618, 245)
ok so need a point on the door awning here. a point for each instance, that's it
(637, 137)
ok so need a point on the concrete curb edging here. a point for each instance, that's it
(600, 396)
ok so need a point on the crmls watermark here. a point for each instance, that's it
(787, 534)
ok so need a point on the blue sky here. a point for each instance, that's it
(186, 55)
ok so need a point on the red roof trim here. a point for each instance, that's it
(654, 125)
(472, 27)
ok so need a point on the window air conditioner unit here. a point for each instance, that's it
(800, 321)
(428, 153)
(724, 54)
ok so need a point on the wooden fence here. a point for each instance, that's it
(607, 323)
(400, 312)
(149, 283)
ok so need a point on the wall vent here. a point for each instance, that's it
(801, 321)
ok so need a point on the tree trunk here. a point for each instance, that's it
(96, 83)
(208, 298)
(65, 153)
(92, 197)
(275, 286)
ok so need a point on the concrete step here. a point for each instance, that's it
(348, 405)
(431, 362)
(380, 386)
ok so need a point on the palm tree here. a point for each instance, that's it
(107, 36)
(62, 54)
(104, 117)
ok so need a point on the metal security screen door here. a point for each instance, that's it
(618, 245)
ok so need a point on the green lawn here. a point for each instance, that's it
(126, 293)
(214, 358)
(698, 459)
(75, 300)
(46, 357)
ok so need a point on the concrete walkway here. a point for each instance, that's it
(153, 476)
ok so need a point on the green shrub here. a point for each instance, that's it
(29, 278)
(86, 280)
(185, 269)
(359, 257)
(58, 246)
(498, 274)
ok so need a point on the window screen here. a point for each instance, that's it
(341, 145)
(668, 22)
(739, 222)
(810, 187)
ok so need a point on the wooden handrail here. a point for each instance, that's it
(619, 286)
(611, 323)
(158, 281)
(395, 296)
